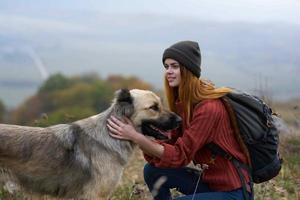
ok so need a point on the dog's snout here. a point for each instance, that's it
(178, 119)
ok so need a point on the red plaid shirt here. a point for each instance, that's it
(210, 123)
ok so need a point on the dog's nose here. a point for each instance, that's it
(178, 119)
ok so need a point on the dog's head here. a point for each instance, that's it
(146, 111)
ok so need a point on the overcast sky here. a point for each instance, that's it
(41, 37)
(229, 10)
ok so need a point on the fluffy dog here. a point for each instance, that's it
(79, 160)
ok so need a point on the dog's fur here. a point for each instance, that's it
(79, 160)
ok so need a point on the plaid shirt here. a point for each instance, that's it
(210, 123)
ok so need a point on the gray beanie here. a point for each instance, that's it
(187, 53)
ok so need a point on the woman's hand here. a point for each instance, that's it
(126, 131)
(121, 130)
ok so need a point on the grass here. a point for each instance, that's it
(286, 186)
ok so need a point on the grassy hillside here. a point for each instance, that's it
(285, 186)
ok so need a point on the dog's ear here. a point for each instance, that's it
(124, 102)
(123, 95)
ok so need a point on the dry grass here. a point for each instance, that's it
(132, 186)
(286, 186)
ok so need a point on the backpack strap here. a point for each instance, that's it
(235, 127)
(217, 150)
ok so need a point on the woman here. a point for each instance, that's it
(205, 120)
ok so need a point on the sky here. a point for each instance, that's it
(243, 43)
(230, 10)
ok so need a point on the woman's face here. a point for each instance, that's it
(172, 72)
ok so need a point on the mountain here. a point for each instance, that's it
(248, 56)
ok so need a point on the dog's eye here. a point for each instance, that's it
(154, 107)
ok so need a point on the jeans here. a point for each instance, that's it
(161, 180)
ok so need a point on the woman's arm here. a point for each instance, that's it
(201, 131)
(126, 131)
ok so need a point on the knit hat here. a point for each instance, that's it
(187, 53)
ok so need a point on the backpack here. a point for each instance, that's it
(254, 124)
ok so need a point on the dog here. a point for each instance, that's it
(80, 160)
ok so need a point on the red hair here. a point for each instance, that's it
(191, 91)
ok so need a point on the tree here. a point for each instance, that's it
(2, 111)
(31, 109)
(55, 82)
(131, 82)
(62, 99)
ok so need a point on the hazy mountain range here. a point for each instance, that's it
(244, 55)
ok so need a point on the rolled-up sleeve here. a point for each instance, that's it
(200, 132)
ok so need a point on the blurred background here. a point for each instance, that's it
(251, 45)
(62, 60)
